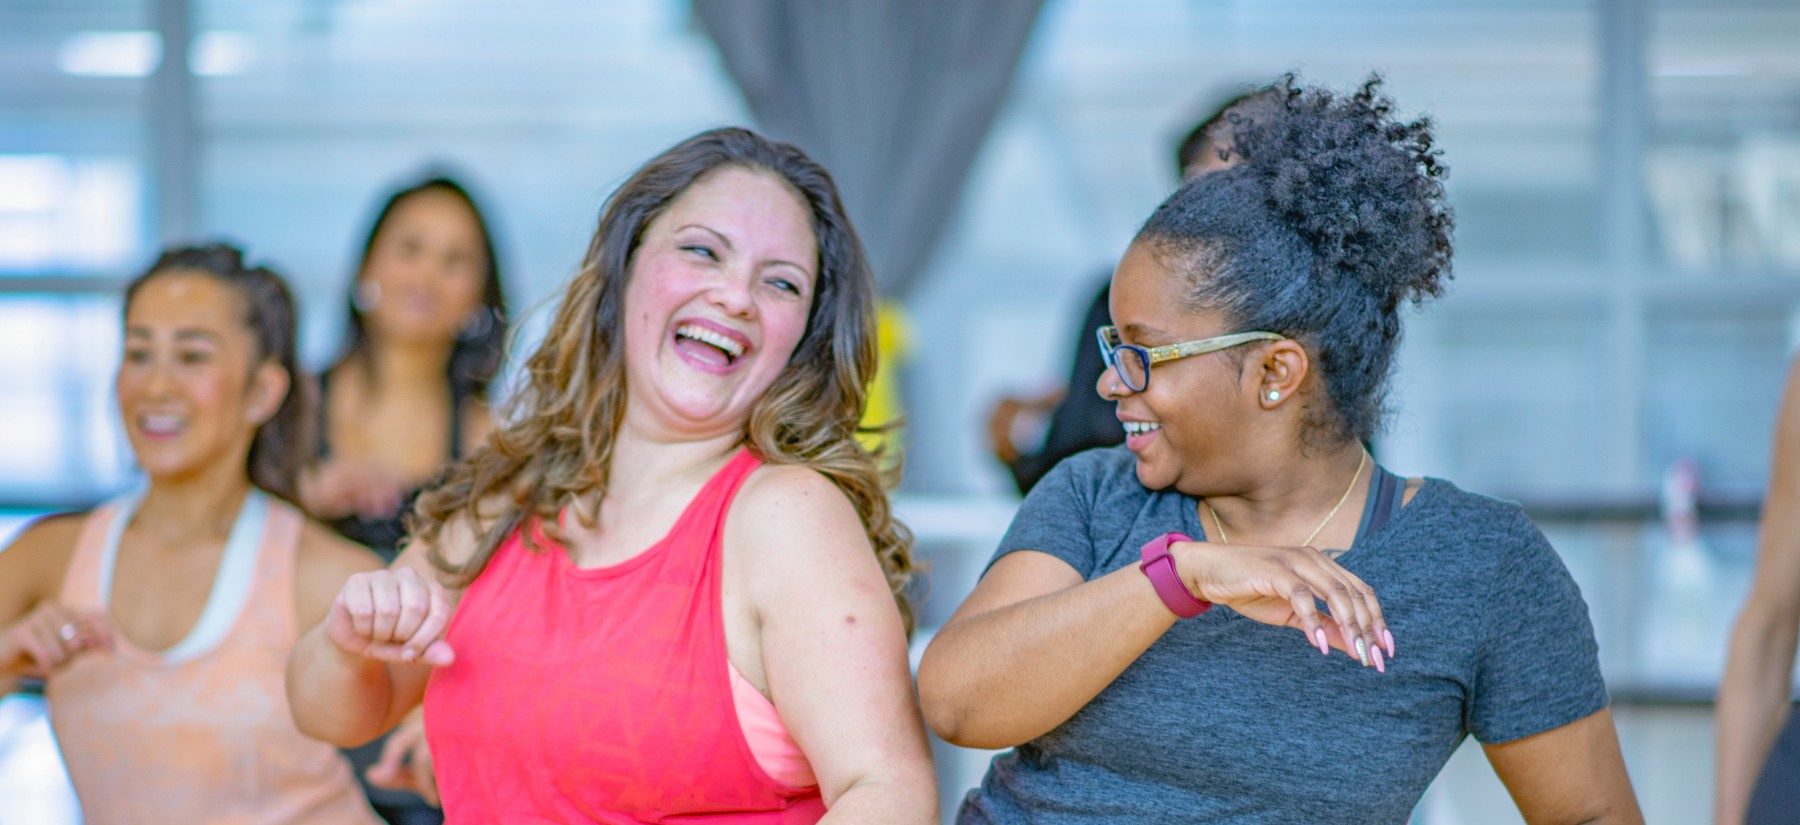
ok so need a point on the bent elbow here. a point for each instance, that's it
(959, 721)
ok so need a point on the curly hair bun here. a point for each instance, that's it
(1362, 188)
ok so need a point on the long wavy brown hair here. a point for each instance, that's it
(555, 441)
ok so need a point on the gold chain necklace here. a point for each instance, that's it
(1328, 516)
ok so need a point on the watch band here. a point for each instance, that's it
(1159, 567)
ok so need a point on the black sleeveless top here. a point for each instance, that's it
(383, 534)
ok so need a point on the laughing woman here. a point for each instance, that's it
(666, 588)
(1257, 315)
(161, 621)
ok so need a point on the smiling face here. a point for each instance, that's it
(426, 269)
(191, 392)
(1195, 416)
(719, 290)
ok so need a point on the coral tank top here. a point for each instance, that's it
(603, 694)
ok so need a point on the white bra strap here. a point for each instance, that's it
(232, 582)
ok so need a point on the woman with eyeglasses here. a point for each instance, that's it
(1155, 637)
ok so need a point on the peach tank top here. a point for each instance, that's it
(200, 732)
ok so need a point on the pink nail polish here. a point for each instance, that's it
(1319, 635)
(1380, 664)
(1388, 636)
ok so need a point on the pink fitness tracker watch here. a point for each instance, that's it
(1159, 567)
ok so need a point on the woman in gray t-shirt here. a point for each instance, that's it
(1267, 296)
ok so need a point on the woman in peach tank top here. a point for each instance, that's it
(161, 621)
(666, 589)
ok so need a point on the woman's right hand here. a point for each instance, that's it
(1282, 585)
(393, 615)
(50, 636)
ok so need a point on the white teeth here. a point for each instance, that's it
(160, 424)
(704, 335)
(1141, 427)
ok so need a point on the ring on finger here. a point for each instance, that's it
(66, 632)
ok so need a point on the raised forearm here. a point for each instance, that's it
(337, 697)
(1004, 677)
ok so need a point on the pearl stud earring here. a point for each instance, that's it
(1274, 395)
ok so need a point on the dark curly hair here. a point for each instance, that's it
(1334, 216)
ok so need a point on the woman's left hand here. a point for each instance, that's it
(1281, 586)
(405, 763)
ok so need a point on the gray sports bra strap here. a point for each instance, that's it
(1388, 489)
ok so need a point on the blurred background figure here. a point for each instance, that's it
(408, 394)
(161, 621)
(1066, 420)
(1627, 243)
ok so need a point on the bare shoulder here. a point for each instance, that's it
(327, 554)
(796, 525)
(792, 499)
(322, 562)
(52, 534)
(39, 556)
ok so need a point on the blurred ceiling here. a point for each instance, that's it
(1511, 82)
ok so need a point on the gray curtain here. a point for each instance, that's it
(894, 97)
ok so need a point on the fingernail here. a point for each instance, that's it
(409, 654)
(1319, 636)
(1380, 664)
(1362, 651)
(1388, 636)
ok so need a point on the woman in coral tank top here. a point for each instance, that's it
(161, 621)
(666, 589)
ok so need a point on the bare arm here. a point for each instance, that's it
(834, 653)
(1034, 643)
(32, 641)
(359, 671)
(1753, 696)
(1568, 775)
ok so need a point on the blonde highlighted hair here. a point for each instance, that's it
(554, 444)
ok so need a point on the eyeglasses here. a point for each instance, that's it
(1133, 362)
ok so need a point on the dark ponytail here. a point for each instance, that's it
(280, 448)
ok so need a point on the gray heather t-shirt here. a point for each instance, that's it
(1225, 720)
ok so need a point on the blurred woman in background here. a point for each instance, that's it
(161, 620)
(408, 396)
(1758, 732)
(668, 587)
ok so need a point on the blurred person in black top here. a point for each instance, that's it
(1079, 419)
(407, 397)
